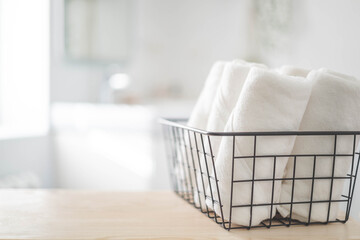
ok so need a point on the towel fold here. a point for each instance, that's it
(268, 101)
(333, 106)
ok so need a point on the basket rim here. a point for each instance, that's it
(175, 122)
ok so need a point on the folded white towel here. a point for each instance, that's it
(231, 84)
(200, 114)
(333, 105)
(227, 94)
(199, 119)
(294, 71)
(269, 101)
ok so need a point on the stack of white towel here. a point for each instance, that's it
(245, 97)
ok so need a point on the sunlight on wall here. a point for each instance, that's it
(24, 67)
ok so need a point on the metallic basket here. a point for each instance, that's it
(190, 157)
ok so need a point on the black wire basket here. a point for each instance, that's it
(190, 157)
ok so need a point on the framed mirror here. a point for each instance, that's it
(97, 31)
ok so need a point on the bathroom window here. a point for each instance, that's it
(24, 67)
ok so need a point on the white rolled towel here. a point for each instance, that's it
(200, 114)
(231, 84)
(269, 101)
(227, 92)
(294, 71)
(199, 119)
(333, 106)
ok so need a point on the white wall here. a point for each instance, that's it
(328, 36)
(321, 33)
(177, 41)
(173, 42)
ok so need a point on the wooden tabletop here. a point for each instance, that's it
(64, 214)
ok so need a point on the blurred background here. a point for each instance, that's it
(83, 82)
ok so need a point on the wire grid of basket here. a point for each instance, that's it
(186, 147)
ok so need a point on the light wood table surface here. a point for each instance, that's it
(64, 214)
